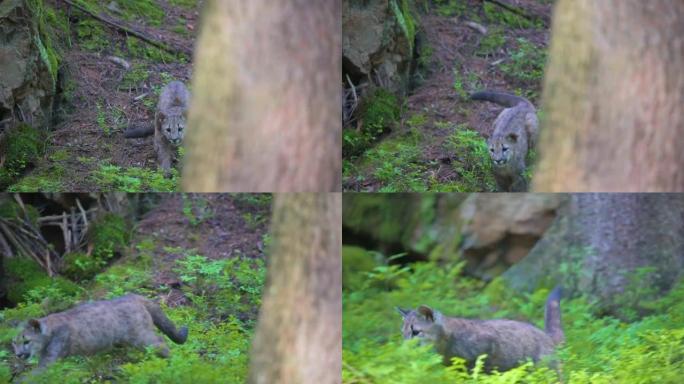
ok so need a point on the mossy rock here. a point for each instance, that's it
(380, 111)
(356, 261)
(23, 146)
(10, 210)
(79, 266)
(26, 275)
(109, 235)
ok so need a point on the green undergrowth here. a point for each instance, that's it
(472, 164)
(598, 349)
(22, 148)
(134, 179)
(526, 63)
(224, 297)
(379, 113)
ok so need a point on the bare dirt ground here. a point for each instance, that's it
(457, 55)
(100, 102)
(233, 227)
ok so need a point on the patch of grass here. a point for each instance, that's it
(417, 120)
(396, 164)
(134, 179)
(494, 40)
(135, 77)
(526, 63)
(499, 15)
(449, 8)
(473, 163)
(148, 10)
(139, 49)
(184, 3)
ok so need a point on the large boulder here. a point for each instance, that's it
(498, 230)
(378, 42)
(27, 68)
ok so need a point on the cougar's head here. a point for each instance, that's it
(173, 126)
(421, 323)
(30, 342)
(501, 148)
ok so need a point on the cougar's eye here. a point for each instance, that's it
(168, 130)
(414, 332)
(491, 150)
(504, 149)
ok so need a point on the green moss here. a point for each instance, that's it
(28, 276)
(92, 36)
(45, 181)
(52, 26)
(142, 50)
(380, 111)
(79, 266)
(24, 145)
(496, 14)
(109, 235)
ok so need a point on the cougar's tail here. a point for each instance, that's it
(501, 98)
(165, 325)
(552, 316)
(138, 132)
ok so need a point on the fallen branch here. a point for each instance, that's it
(130, 31)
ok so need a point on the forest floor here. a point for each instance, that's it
(438, 144)
(99, 99)
(203, 257)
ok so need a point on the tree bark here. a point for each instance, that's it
(598, 244)
(266, 109)
(299, 334)
(613, 98)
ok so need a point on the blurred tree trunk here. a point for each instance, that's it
(299, 335)
(613, 98)
(621, 249)
(266, 107)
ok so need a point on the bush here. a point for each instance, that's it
(79, 266)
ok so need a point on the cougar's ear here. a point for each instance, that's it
(35, 324)
(427, 312)
(513, 137)
(403, 312)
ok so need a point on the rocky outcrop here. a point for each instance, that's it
(490, 232)
(498, 230)
(27, 85)
(375, 44)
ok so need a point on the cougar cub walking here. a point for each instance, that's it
(515, 133)
(507, 343)
(169, 124)
(97, 326)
